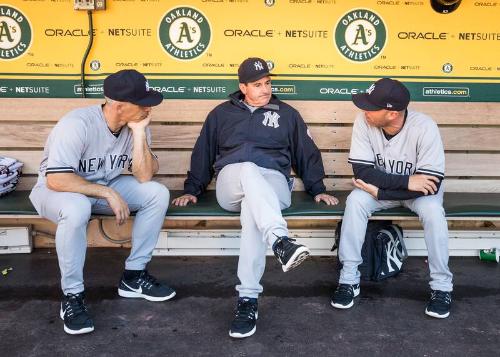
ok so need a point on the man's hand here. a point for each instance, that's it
(118, 206)
(139, 125)
(423, 183)
(367, 187)
(184, 200)
(328, 199)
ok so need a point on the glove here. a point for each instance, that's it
(10, 172)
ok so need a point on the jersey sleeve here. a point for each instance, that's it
(306, 158)
(203, 158)
(361, 150)
(430, 152)
(66, 145)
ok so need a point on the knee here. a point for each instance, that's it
(248, 168)
(431, 212)
(359, 200)
(76, 209)
(155, 191)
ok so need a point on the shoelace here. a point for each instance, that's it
(146, 280)
(442, 297)
(74, 305)
(281, 246)
(245, 311)
(344, 290)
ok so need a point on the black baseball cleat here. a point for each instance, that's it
(145, 286)
(439, 304)
(75, 315)
(244, 323)
(343, 296)
(289, 254)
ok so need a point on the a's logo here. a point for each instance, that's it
(360, 35)
(15, 33)
(447, 68)
(95, 65)
(371, 89)
(258, 66)
(269, 2)
(271, 119)
(184, 33)
(147, 86)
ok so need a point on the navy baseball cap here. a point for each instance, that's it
(386, 93)
(252, 69)
(128, 85)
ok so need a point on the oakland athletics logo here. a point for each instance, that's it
(184, 33)
(15, 33)
(360, 35)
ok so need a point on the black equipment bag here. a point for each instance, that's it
(383, 251)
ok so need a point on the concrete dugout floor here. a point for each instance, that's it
(295, 317)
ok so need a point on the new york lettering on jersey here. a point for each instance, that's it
(416, 148)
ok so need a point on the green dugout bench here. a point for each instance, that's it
(458, 206)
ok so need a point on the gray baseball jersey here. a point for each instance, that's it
(82, 143)
(417, 148)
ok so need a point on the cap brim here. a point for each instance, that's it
(152, 99)
(259, 76)
(361, 101)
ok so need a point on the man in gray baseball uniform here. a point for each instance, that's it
(250, 143)
(81, 174)
(397, 158)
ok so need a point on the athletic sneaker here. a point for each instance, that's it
(244, 323)
(439, 305)
(343, 297)
(289, 254)
(75, 314)
(145, 286)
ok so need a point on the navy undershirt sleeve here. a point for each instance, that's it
(391, 187)
(382, 180)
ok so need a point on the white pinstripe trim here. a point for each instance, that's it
(363, 162)
(430, 172)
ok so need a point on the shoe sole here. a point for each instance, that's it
(437, 316)
(297, 258)
(340, 306)
(243, 335)
(75, 332)
(134, 295)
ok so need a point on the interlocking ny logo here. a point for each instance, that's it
(370, 90)
(271, 119)
(258, 66)
(393, 256)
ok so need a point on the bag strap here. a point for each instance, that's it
(403, 252)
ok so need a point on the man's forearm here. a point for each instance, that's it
(401, 195)
(70, 182)
(144, 164)
(379, 178)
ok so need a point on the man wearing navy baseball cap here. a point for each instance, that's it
(397, 157)
(251, 143)
(81, 174)
(131, 86)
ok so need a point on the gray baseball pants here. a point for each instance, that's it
(259, 195)
(71, 212)
(359, 207)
